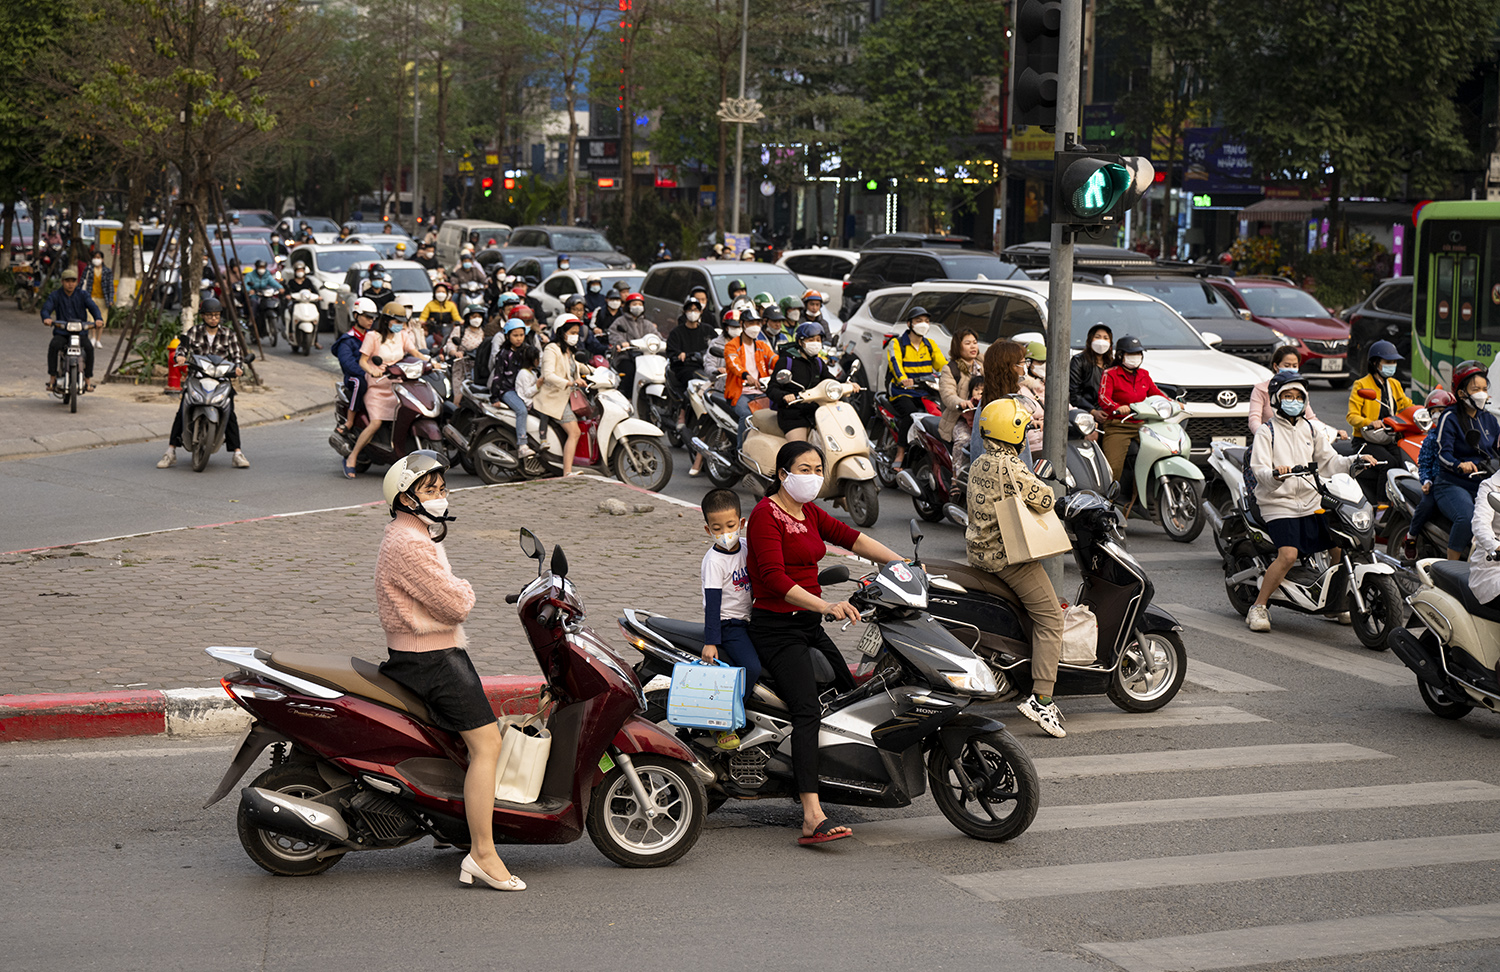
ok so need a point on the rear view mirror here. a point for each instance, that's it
(559, 562)
(836, 574)
(916, 531)
(530, 545)
(783, 376)
(1211, 339)
(1369, 394)
(1113, 493)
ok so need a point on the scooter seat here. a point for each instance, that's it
(765, 421)
(975, 580)
(1452, 576)
(1237, 455)
(719, 401)
(930, 424)
(477, 392)
(1411, 489)
(353, 675)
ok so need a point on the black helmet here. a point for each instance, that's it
(572, 299)
(376, 268)
(1280, 381)
(737, 285)
(916, 312)
(210, 305)
(692, 302)
(773, 313)
(1129, 344)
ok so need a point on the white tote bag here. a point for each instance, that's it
(524, 747)
(1080, 638)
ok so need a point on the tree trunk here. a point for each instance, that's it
(817, 167)
(400, 101)
(7, 218)
(1168, 224)
(135, 201)
(723, 176)
(1335, 212)
(570, 164)
(627, 138)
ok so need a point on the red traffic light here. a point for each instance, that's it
(510, 183)
(486, 183)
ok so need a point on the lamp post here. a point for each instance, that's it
(738, 112)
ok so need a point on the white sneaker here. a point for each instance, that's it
(1258, 618)
(1047, 716)
(525, 452)
(168, 460)
(239, 461)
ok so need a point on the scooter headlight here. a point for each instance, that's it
(1084, 423)
(1361, 519)
(977, 680)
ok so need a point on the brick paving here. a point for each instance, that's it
(138, 612)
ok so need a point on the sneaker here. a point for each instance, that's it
(168, 460)
(525, 452)
(727, 740)
(1409, 547)
(1258, 618)
(1047, 716)
(239, 461)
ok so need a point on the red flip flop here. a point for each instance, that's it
(822, 834)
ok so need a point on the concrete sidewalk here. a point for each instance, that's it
(35, 423)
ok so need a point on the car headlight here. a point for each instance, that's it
(1282, 336)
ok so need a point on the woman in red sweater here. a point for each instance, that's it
(786, 537)
(1121, 387)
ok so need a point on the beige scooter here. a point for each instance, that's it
(848, 472)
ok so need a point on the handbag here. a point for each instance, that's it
(1027, 534)
(1080, 636)
(706, 696)
(524, 748)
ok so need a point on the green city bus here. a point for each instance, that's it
(1456, 294)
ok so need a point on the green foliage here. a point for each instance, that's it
(682, 227)
(158, 330)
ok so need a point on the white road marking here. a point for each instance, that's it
(1172, 716)
(1365, 666)
(1185, 760)
(911, 830)
(1223, 680)
(1230, 866)
(1305, 940)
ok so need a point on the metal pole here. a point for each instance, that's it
(739, 129)
(1060, 275)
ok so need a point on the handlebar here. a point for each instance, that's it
(512, 598)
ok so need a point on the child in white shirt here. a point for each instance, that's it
(526, 377)
(726, 595)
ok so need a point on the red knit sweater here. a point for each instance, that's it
(784, 551)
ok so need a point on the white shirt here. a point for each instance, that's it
(727, 572)
(1484, 575)
(526, 385)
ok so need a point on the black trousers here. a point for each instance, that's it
(784, 643)
(231, 430)
(58, 350)
(905, 406)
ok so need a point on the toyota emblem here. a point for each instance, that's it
(1228, 399)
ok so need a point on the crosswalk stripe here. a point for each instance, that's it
(1366, 666)
(1177, 715)
(1305, 940)
(1228, 866)
(1223, 680)
(911, 830)
(1187, 760)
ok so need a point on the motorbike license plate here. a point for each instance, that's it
(1235, 440)
(74, 351)
(1332, 364)
(869, 642)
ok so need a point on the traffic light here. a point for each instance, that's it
(1095, 188)
(488, 185)
(1034, 52)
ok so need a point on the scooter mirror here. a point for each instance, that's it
(916, 531)
(836, 574)
(783, 376)
(1369, 394)
(530, 545)
(559, 562)
(249, 358)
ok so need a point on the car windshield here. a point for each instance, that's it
(315, 223)
(1192, 299)
(247, 250)
(566, 242)
(1282, 302)
(778, 285)
(1158, 328)
(257, 219)
(408, 280)
(972, 266)
(387, 246)
(337, 261)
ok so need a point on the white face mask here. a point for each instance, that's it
(572, 339)
(727, 540)
(613, 304)
(1038, 370)
(1099, 346)
(812, 348)
(593, 288)
(693, 316)
(920, 328)
(802, 487)
(794, 315)
(1479, 398)
(733, 331)
(1132, 361)
(437, 508)
(636, 310)
(98, 261)
(752, 332)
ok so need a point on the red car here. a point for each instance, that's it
(1322, 339)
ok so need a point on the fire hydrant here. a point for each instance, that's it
(174, 370)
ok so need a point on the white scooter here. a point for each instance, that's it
(302, 324)
(649, 393)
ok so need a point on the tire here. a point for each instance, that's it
(1241, 596)
(862, 497)
(883, 451)
(274, 329)
(418, 443)
(1443, 704)
(202, 443)
(1184, 525)
(305, 343)
(278, 853)
(618, 827)
(1150, 673)
(489, 473)
(1383, 615)
(73, 386)
(1395, 535)
(927, 506)
(652, 466)
(719, 440)
(986, 754)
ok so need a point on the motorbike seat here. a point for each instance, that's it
(719, 401)
(765, 421)
(1452, 576)
(1237, 455)
(974, 579)
(1411, 489)
(353, 675)
(930, 424)
(477, 392)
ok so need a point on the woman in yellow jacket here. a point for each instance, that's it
(439, 314)
(1367, 415)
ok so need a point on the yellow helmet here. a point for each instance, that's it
(1004, 420)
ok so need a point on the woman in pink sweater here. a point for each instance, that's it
(422, 608)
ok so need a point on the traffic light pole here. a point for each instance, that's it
(1060, 274)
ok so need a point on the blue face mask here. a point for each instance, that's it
(397, 328)
(1292, 408)
(1388, 370)
(1288, 371)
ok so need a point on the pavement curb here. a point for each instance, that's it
(177, 713)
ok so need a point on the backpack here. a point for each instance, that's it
(483, 359)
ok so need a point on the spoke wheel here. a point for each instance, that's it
(927, 505)
(721, 474)
(1382, 613)
(654, 835)
(1005, 796)
(492, 473)
(280, 853)
(1150, 672)
(643, 462)
(1179, 503)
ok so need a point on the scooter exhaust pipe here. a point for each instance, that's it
(284, 814)
(1212, 518)
(492, 452)
(1405, 646)
(907, 483)
(340, 445)
(456, 437)
(957, 514)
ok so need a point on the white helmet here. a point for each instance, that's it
(403, 475)
(365, 306)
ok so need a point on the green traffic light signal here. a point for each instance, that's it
(1099, 191)
(1094, 189)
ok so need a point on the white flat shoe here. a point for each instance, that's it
(469, 870)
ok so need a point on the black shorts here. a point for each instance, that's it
(447, 682)
(797, 416)
(1308, 533)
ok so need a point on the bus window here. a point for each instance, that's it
(1468, 272)
(1489, 292)
(1442, 300)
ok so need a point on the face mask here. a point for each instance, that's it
(1478, 399)
(1287, 371)
(98, 262)
(728, 540)
(734, 332)
(693, 316)
(572, 339)
(441, 296)
(1099, 346)
(1039, 371)
(1132, 361)
(752, 332)
(920, 328)
(812, 348)
(612, 304)
(563, 265)
(397, 328)
(794, 315)
(1388, 370)
(438, 508)
(1292, 407)
(593, 288)
(636, 310)
(802, 487)
(467, 264)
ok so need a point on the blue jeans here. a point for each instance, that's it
(742, 412)
(1457, 504)
(738, 650)
(513, 399)
(1424, 510)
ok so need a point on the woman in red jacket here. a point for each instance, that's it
(1121, 387)
(787, 536)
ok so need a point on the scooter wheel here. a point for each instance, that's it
(1150, 673)
(1443, 704)
(618, 824)
(1382, 613)
(1007, 794)
(279, 853)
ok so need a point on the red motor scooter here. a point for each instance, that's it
(357, 764)
(928, 477)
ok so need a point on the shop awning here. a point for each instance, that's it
(1283, 210)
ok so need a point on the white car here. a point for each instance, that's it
(328, 265)
(409, 280)
(575, 281)
(823, 270)
(1217, 385)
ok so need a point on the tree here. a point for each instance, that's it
(566, 29)
(1358, 93)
